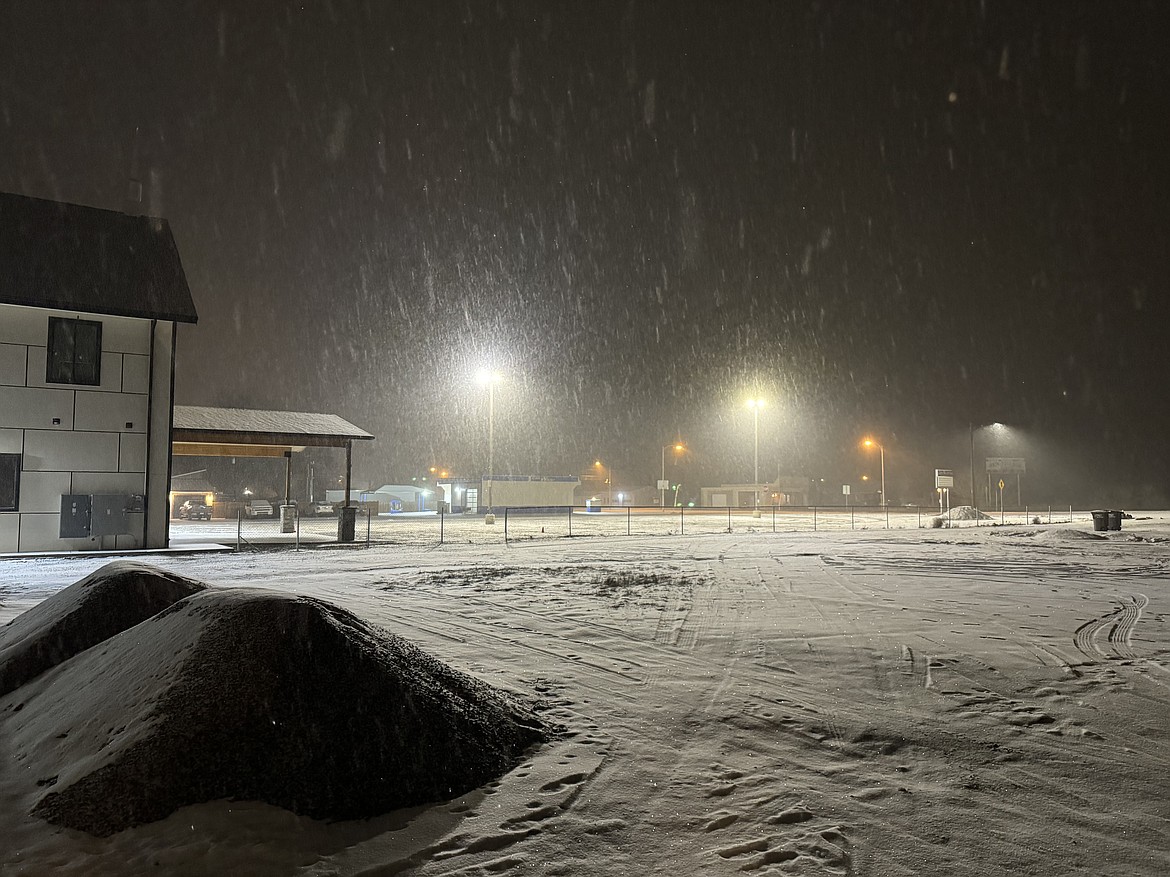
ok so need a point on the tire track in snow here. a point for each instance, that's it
(1120, 622)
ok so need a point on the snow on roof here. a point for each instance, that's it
(196, 418)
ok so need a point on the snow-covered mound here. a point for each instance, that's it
(256, 695)
(966, 513)
(104, 603)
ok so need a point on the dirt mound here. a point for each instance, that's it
(966, 513)
(256, 695)
(104, 603)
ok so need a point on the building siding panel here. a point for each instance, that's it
(42, 491)
(46, 451)
(110, 412)
(13, 364)
(34, 408)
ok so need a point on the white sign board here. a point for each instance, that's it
(944, 477)
(664, 484)
(998, 465)
(845, 489)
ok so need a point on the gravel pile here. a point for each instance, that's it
(104, 603)
(257, 695)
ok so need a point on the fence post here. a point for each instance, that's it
(1070, 514)
(887, 505)
(570, 520)
(682, 511)
(239, 527)
(773, 517)
(369, 517)
(1050, 514)
(814, 519)
(442, 519)
(729, 519)
(919, 516)
(505, 525)
(298, 548)
(851, 517)
(629, 509)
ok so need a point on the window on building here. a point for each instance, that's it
(75, 352)
(9, 482)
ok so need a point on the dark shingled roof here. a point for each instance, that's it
(74, 258)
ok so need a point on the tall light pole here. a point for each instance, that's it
(608, 480)
(972, 429)
(678, 447)
(870, 443)
(755, 405)
(490, 379)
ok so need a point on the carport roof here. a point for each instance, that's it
(197, 427)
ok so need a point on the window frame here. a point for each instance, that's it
(15, 459)
(62, 370)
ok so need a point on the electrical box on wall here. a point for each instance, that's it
(84, 516)
(109, 515)
(75, 516)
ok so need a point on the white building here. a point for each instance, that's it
(90, 301)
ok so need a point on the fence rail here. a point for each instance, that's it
(515, 524)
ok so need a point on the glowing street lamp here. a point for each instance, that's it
(678, 448)
(490, 379)
(870, 443)
(972, 429)
(755, 405)
(608, 479)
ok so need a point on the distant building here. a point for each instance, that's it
(90, 302)
(514, 491)
(786, 490)
(393, 498)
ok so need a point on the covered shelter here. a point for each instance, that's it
(200, 431)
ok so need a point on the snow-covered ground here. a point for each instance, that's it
(971, 701)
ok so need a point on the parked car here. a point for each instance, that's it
(258, 508)
(321, 508)
(195, 510)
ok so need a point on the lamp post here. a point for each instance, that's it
(972, 429)
(755, 405)
(490, 379)
(678, 447)
(607, 480)
(870, 443)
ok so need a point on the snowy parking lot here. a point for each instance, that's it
(971, 701)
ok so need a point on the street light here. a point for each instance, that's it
(490, 379)
(608, 480)
(870, 443)
(972, 429)
(678, 447)
(756, 405)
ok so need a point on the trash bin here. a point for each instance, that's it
(1100, 519)
(346, 522)
(288, 519)
(1115, 519)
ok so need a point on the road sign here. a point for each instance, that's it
(845, 489)
(1004, 465)
(944, 478)
(663, 484)
(1001, 484)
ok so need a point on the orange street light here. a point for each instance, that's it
(870, 443)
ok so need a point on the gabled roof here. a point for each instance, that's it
(73, 258)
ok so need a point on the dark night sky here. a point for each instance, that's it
(896, 217)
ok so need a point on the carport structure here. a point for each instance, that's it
(199, 431)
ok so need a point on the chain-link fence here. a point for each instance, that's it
(514, 524)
